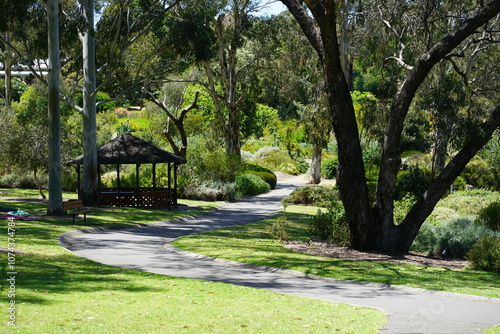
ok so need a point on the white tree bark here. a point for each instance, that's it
(90, 175)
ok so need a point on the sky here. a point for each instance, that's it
(273, 9)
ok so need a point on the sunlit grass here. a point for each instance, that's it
(59, 292)
(251, 244)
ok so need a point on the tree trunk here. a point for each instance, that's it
(233, 145)
(90, 177)
(375, 229)
(350, 171)
(440, 149)
(54, 142)
(315, 170)
(8, 70)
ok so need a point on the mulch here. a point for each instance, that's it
(327, 250)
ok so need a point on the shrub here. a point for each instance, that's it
(331, 225)
(452, 238)
(312, 195)
(479, 173)
(210, 190)
(277, 229)
(8, 180)
(485, 255)
(441, 213)
(490, 216)
(20, 181)
(470, 202)
(264, 173)
(289, 168)
(329, 167)
(250, 184)
(413, 181)
(275, 159)
(402, 207)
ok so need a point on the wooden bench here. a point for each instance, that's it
(78, 205)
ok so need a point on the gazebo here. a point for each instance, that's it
(128, 149)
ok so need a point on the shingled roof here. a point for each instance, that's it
(128, 149)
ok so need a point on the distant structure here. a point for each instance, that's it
(23, 71)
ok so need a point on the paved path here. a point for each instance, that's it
(147, 248)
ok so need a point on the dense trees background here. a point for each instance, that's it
(409, 89)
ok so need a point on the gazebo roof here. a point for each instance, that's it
(127, 149)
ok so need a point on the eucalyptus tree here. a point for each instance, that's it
(230, 44)
(373, 227)
(20, 38)
(128, 23)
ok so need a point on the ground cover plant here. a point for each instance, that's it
(59, 292)
(252, 244)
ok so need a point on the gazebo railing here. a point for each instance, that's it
(142, 197)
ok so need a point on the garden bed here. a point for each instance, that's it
(327, 250)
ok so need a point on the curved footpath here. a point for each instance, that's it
(147, 248)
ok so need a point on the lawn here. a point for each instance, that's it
(59, 292)
(252, 244)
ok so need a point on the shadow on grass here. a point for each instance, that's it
(38, 276)
(249, 244)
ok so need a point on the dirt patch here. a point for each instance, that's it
(327, 250)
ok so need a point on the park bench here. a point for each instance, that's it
(77, 206)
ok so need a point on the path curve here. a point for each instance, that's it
(148, 248)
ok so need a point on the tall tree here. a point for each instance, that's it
(373, 228)
(54, 112)
(17, 32)
(90, 167)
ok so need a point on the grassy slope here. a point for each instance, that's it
(58, 292)
(251, 244)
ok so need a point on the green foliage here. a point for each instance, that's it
(312, 195)
(277, 229)
(329, 167)
(372, 152)
(367, 115)
(275, 159)
(331, 225)
(413, 181)
(490, 216)
(18, 88)
(99, 99)
(479, 173)
(207, 162)
(24, 181)
(208, 190)
(485, 254)
(250, 185)
(469, 202)
(417, 132)
(402, 207)
(264, 173)
(450, 239)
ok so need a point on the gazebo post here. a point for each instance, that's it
(77, 167)
(99, 179)
(169, 186)
(137, 176)
(175, 184)
(118, 176)
(154, 175)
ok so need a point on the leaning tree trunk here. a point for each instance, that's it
(350, 171)
(90, 176)
(54, 142)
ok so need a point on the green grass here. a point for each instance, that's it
(59, 292)
(251, 244)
